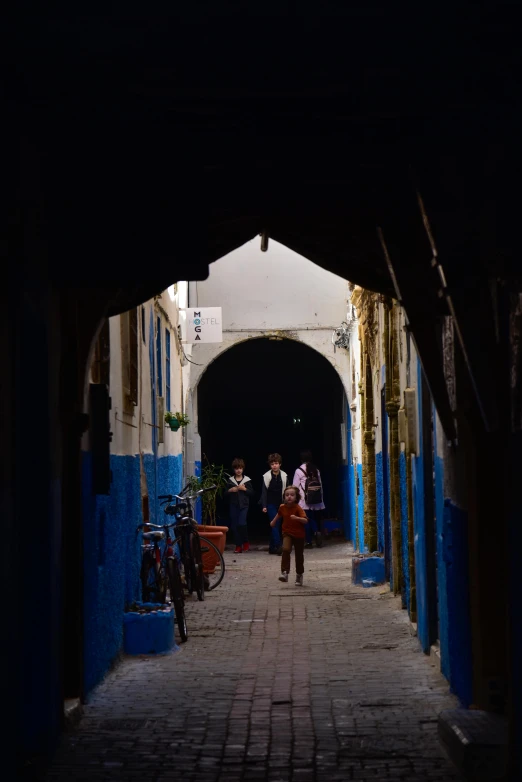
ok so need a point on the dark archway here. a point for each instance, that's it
(314, 143)
(268, 395)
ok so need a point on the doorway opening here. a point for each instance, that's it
(263, 396)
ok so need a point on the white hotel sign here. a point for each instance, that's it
(201, 324)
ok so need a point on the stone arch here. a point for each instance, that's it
(218, 349)
(209, 353)
(246, 409)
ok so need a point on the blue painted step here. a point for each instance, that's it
(151, 632)
(368, 571)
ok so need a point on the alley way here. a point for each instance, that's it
(276, 682)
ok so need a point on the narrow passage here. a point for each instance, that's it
(276, 682)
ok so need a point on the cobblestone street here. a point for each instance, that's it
(276, 682)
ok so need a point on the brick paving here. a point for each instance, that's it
(276, 682)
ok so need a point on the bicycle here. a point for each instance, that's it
(203, 563)
(159, 567)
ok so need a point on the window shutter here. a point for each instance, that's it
(129, 359)
(161, 418)
(101, 362)
(167, 369)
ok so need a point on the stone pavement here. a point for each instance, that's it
(276, 682)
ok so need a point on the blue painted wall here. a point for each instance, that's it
(515, 603)
(353, 500)
(32, 501)
(111, 546)
(349, 498)
(419, 531)
(379, 476)
(387, 514)
(164, 475)
(386, 486)
(360, 510)
(344, 499)
(403, 484)
(458, 634)
(198, 510)
(112, 551)
(170, 474)
(441, 560)
(38, 705)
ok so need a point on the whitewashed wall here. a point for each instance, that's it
(132, 433)
(277, 293)
(278, 289)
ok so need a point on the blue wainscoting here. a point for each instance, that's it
(110, 545)
(360, 509)
(112, 551)
(404, 527)
(379, 485)
(455, 552)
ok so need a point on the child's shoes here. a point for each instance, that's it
(283, 576)
(238, 550)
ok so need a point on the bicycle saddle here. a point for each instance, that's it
(156, 535)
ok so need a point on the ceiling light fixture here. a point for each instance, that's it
(264, 241)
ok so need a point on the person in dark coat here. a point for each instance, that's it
(239, 492)
(274, 484)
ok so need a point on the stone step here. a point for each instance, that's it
(476, 742)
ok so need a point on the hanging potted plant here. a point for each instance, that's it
(175, 420)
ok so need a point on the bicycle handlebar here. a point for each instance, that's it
(194, 496)
(181, 497)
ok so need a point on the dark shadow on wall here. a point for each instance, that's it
(267, 395)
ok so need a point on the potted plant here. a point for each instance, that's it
(175, 420)
(211, 475)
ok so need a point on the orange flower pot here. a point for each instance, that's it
(206, 529)
(218, 538)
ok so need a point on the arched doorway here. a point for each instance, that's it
(266, 395)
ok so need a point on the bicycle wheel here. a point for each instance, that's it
(197, 566)
(153, 580)
(213, 563)
(186, 561)
(176, 595)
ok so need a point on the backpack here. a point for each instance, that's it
(313, 491)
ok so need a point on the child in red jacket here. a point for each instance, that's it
(294, 519)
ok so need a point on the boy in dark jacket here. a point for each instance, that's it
(239, 492)
(274, 484)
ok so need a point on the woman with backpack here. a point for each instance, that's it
(308, 479)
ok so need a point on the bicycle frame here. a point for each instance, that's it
(188, 538)
(185, 517)
(161, 549)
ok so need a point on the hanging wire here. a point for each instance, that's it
(188, 359)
